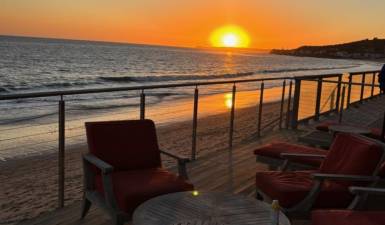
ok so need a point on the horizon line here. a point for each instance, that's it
(133, 43)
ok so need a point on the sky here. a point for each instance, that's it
(189, 23)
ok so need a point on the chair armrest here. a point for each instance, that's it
(182, 170)
(295, 155)
(367, 190)
(100, 164)
(343, 177)
(290, 156)
(106, 169)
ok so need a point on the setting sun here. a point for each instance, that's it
(230, 36)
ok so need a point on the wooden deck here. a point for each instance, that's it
(223, 171)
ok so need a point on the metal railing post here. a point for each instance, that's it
(288, 113)
(142, 105)
(232, 114)
(282, 103)
(61, 132)
(362, 87)
(297, 93)
(338, 93)
(373, 83)
(349, 90)
(342, 104)
(195, 124)
(318, 99)
(260, 108)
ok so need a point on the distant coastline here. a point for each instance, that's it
(373, 50)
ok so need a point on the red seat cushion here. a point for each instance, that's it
(289, 188)
(131, 188)
(347, 217)
(275, 149)
(126, 144)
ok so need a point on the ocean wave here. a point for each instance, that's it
(65, 84)
(64, 70)
(48, 86)
(99, 107)
(162, 78)
(21, 119)
(3, 90)
(173, 77)
(306, 69)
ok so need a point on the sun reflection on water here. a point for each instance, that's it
(229, 100)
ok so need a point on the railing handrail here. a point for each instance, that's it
(144, 87)
(370, 71)
(311, 77)
(347, 83)
(129, 88)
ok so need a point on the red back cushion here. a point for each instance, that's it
(126, 145)
(352, 154)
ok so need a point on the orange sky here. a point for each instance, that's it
(270, 23)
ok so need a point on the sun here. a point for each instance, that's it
(230, 36)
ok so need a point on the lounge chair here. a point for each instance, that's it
(354, 215)
(351, 160)
(123, 168)
(279, 151)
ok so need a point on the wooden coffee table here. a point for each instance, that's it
(204, 208)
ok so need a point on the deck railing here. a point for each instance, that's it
(301, 99)
(328, 90)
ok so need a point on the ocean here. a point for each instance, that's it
(38, 65)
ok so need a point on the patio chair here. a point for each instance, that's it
(351, 160)
(354, 215)
(123, 168)
(275, 151)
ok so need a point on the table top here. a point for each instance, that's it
(349, 129)
(204, 208)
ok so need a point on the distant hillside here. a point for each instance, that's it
(365, 49)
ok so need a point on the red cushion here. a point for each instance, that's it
(128, 144)
(131, 188)
(289, 188)
(347, 217)
(324, 126)
(275, 149)
(352, 154)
